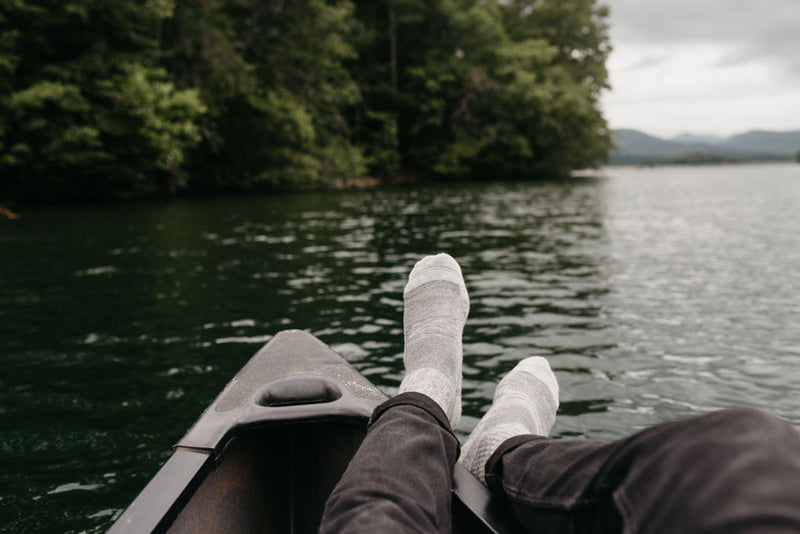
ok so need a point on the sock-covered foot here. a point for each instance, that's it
(436, 308)
(525, 402)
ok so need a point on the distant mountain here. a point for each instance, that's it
(778, 143)
(695, 138)
(635, 147)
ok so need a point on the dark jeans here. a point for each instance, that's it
(731, 471)
(401, 476)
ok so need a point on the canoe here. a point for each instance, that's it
(264, 456)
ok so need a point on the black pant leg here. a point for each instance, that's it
(732, 471)
(400, 479)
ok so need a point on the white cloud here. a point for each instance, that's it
(711, 66)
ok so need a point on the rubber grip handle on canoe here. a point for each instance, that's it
(292, 391)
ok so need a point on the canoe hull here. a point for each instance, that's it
(265, 455)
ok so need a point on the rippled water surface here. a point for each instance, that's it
(654, 293)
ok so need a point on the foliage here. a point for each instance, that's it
(89, 113)
(272, 75)
(134, 98)
(492, 89)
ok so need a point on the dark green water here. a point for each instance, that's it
(655, 293)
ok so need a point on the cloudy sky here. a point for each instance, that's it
(704, 66)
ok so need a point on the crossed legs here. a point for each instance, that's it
(732, 471)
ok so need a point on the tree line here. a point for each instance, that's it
(133, 98)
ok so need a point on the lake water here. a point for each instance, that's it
(655, 294)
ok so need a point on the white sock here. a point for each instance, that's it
(436, 308)
(525, 402)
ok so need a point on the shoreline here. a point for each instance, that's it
(10, 210)
(700, 163)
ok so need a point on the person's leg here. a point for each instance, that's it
(731, 471)
(400, 479)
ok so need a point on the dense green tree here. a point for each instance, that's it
(272, 75)
(130, 98)
(89, 112)
(489, 88)
(531, 103)
(576, 28)
(577, 134)
(411, 69)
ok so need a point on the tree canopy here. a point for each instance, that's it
(126, 98)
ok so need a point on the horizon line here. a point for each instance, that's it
(703, 134)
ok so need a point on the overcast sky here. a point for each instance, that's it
(704, 66)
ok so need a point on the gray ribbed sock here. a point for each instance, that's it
(525, 402)
(436, 308)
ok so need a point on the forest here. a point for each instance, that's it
(123, 99)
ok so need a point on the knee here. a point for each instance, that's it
(729, 467)
(703, 448)
(735, 431)
(752, 423)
